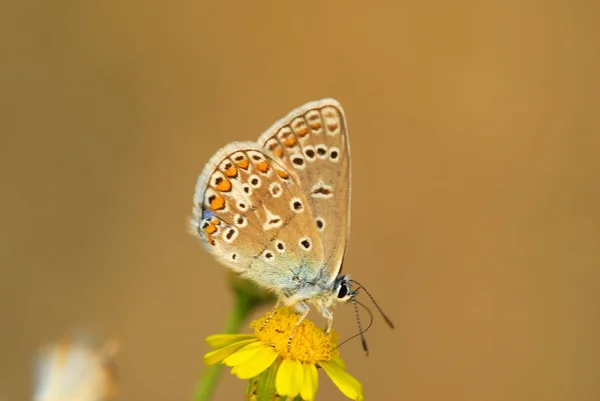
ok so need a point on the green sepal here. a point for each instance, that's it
(262, 387)
(265, 387)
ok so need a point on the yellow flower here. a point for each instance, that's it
(294, 371)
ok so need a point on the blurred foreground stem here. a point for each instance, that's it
(241, 309)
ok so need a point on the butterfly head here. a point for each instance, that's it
(338, 291)
(342, 289)
(343, 292)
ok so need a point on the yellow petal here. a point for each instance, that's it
(218, 355)
(243, 354)
(223, 340)
(311, 382)
(257, 364)
(343, 380)
(289, 378)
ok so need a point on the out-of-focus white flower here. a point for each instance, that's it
(76, 369)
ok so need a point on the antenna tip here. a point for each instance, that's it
(364, 344)
(388, 321)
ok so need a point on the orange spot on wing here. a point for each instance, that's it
(243, 164)
(315, 126)
(332, 127)
(290, 141)
(263, 166)
(224, 185)
(215, 221)
(210, 240)
(231, 172)
(217, 203)
(276, 149)
(210, 229)
(283, 174)
(302, 131)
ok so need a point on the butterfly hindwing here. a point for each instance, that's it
(251, 211)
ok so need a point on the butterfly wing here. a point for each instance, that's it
(313, 142)
(250, 210)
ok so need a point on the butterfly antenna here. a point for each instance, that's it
(360, 286)
(361, 331)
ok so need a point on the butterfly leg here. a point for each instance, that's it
(278, 305)
(326, 313)
(302, 308)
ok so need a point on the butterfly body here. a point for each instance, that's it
(277, 211)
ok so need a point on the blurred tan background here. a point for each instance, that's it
(475, 133)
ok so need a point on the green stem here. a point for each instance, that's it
(241, 309)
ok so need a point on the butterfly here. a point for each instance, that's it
(277, 211)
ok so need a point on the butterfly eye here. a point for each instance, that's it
(343, 290)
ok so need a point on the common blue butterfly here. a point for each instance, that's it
(277, 211)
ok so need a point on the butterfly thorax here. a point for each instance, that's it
(322, 293)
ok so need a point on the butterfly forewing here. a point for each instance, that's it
(312, 142)
(252, 214)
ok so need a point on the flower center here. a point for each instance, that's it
(309, 344)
